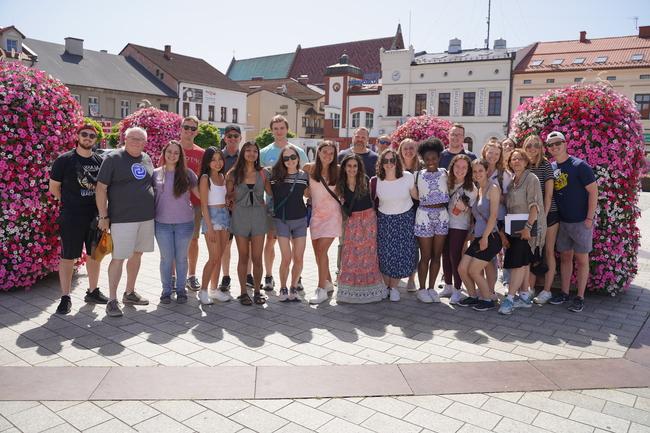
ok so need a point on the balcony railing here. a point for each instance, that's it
(314, 130)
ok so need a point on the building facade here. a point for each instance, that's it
(471, 87)
(202, 90)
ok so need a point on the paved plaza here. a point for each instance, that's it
(387, 367)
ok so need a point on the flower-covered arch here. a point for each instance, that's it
(601, 127)
(38, 118)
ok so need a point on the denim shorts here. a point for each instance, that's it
(291, 228)
(220, 218)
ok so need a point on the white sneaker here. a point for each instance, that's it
(204, 298)
(455, 297)
(329, 286)
(320, 296)
(434, 295)
(222, 296)
(423, 296)
(394, 295)
(543, 297)
(447, 291)
(410, 286)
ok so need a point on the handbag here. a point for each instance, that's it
(538, 264)
(102, 245)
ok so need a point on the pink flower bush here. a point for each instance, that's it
(421, 128)
(601, 127)
(161, 126)
(38, 118)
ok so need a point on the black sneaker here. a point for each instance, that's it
(65, 305)
(95, 297)
(269, 284)
(559, 298)
(468, 302)
(577, 305)
(484, 305)
(299, 286)
(225, 283)
(249, 281)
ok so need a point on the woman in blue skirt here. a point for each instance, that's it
(394, 189)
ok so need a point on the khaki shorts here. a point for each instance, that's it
(197, 222)
(132, 237)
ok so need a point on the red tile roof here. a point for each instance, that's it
(295, 90)
(188, 69)
(364, 54)
(618, 50)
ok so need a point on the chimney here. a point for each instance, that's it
(74, 46)
(168, 52)
(583, 36)
(303, 79)
(500, 44)
(103, 51)
(644, 32)
(454, 46)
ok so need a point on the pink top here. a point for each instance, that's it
(326, 217)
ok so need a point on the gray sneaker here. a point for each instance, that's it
(192, 283)
(134, 298)
(113, 308)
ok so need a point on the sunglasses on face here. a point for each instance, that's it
(232, 135)
(90, 135)
(392, 160)
(384, 142)
(290, 157)
(190, 128)
(557, 143)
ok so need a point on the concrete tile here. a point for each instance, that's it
(223, 407)
(560, 425)
(515, 411)
(443, 378)
(24, 383)
(271, 405)
(581, 374)
(600, 420)
(341, 408)
(628, 413)
(131, 412)
(290, 428)
(612, 395)
(35, 419)
(512, 397)
(330, 381)
(338, 425)
(111, 426)
(382, 423)
(433, 421)
(84, 415)
(507, 425)
(61, 428)
(56, 406)
(162, 424)
(546, 404)
(430, 402)
(388, 405)
(579, 399)
(176, 383)
(472, 415)
(258, 420)
(304, 415)
(208, 422)
(179, 410)
(638, 428)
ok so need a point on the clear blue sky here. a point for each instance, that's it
(214, 30)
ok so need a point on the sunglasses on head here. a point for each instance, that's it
(555, 143)
(290, 157)
(190, 128)
(85, 134)
(232, 135)
(392, 160)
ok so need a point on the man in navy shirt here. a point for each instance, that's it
(576, 193)
(360, 147)
(456, 146)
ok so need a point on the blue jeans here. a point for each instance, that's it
(173, 241)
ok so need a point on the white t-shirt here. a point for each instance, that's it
(395, 195)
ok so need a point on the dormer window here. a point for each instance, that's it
(578, 61)
(636, 57)
(601, 59)
(12, 44)
(536, 62)
(557, 62)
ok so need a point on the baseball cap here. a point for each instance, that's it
(555, 137)
(231, 128)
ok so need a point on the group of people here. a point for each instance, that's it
(398, 213)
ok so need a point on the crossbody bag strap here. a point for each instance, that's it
(284, 201)
(334, 196)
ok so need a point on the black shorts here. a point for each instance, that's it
(493, 248)
(552, 218)
(75, 232)
(518, 254)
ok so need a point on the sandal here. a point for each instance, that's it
(245, 299)
(259, 299)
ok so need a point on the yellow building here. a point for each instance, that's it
(623, 62)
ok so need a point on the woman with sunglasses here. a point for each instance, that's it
(289, 185)
(394, 189)
(326, 219)
(408, 154)
(246, 183)
(360, 281)
(524, 197)
(174, 221)
(541, 168)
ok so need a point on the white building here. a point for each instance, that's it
(471, 87)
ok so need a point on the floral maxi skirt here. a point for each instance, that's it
(397, 248)
(360, 281)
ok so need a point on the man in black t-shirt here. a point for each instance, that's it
(456, 146)
(72, 181)
(360, 147)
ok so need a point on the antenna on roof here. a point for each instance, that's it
(409, 27)
(487, 40)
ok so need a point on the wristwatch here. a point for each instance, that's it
(104, 217)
